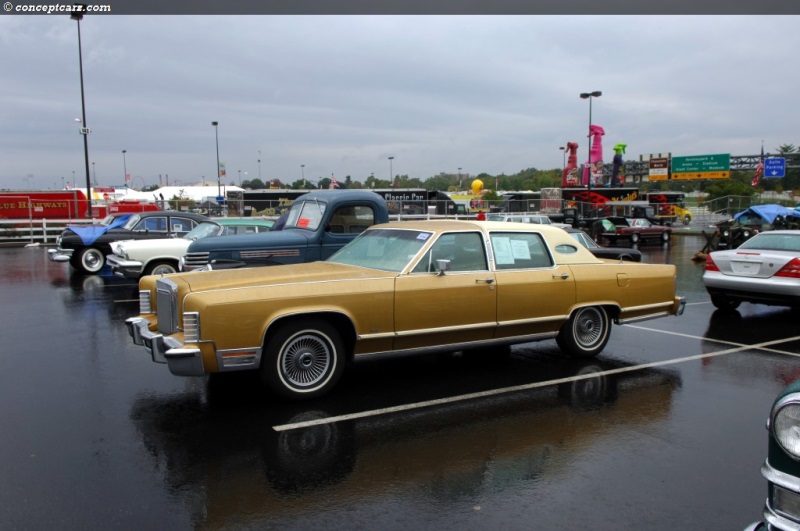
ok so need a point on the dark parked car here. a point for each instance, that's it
(782, 467)
(86, 247)
(616, 253)
(754, 220)
(635, 230)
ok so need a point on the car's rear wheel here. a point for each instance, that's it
(665, 236)
(163, 267)
(722, 302)
(586, 332)
(303, 359)
(635, 238)
(90, 260)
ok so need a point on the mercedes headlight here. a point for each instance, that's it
(726, 233)
(786, 424)
(746, 233)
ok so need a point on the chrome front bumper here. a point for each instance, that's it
(59, 255)
(124, 268)
(181, 361)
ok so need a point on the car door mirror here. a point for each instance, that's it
(442, 266)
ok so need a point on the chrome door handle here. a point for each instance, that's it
(487, 280)
(562, 276)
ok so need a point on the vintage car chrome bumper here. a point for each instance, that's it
(124, 268)
(59, 255)
(782, 511)
(181, 361)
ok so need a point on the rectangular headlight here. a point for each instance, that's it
(191, 327)
(786, 502)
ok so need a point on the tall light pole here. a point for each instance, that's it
(77, 16)
(216, 138)
(564, 161)
(94, 174)
(259, 164)
(303, 173)
(589, 96)
(124, 168)
(240, 178)
(391, 177)
(459, 179)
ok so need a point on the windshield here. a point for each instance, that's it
(384, 249)
(132, 221)
(584, 239)
(305, 215)
(203, 230)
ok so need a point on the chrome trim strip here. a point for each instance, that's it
(647, 307)
(185, 361)
(642, 317)
(424, 331)
(451, 347)
(535, 320)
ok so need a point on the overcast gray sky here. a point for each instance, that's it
(340, 94)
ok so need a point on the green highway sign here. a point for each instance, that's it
(702, 167)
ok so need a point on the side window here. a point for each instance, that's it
(353, 219)
(520, 250)
(464, 250)
(181, 225)
(154, 223)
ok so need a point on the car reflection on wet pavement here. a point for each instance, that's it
(665, 429)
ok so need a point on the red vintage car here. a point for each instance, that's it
(634, 230)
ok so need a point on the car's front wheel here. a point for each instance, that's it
(586, 332)
(90, 260)
(161, 268)
(665, 236)
(303, 359)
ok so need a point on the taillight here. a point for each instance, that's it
(791, 270)
(710, 265)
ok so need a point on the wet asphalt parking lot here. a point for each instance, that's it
(666, 429)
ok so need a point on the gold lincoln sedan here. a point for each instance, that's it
(406, 286)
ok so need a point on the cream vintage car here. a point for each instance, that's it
(398, 287)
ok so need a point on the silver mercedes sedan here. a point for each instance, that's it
(764, 270)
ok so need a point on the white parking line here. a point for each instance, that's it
(737, 347)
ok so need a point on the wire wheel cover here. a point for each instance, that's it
(306, 360)
(589, 327)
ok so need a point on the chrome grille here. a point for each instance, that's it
(193, 260)
(167, 306)
(145, 305)
(191, 327)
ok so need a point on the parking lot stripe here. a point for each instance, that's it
(525, 387)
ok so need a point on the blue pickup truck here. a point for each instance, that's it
(318, 224)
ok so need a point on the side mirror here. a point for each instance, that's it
(442, 266)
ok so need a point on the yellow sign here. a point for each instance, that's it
(701, 175)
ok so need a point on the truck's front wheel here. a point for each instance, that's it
(303, 359)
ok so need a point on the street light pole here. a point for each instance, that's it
(303, 173)
(564, 161)
(259, 164)
(240, 178)
(216, 139)
(589, 96)
(391, 177)
(124, 168)
(77, 16)
(459, 179)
